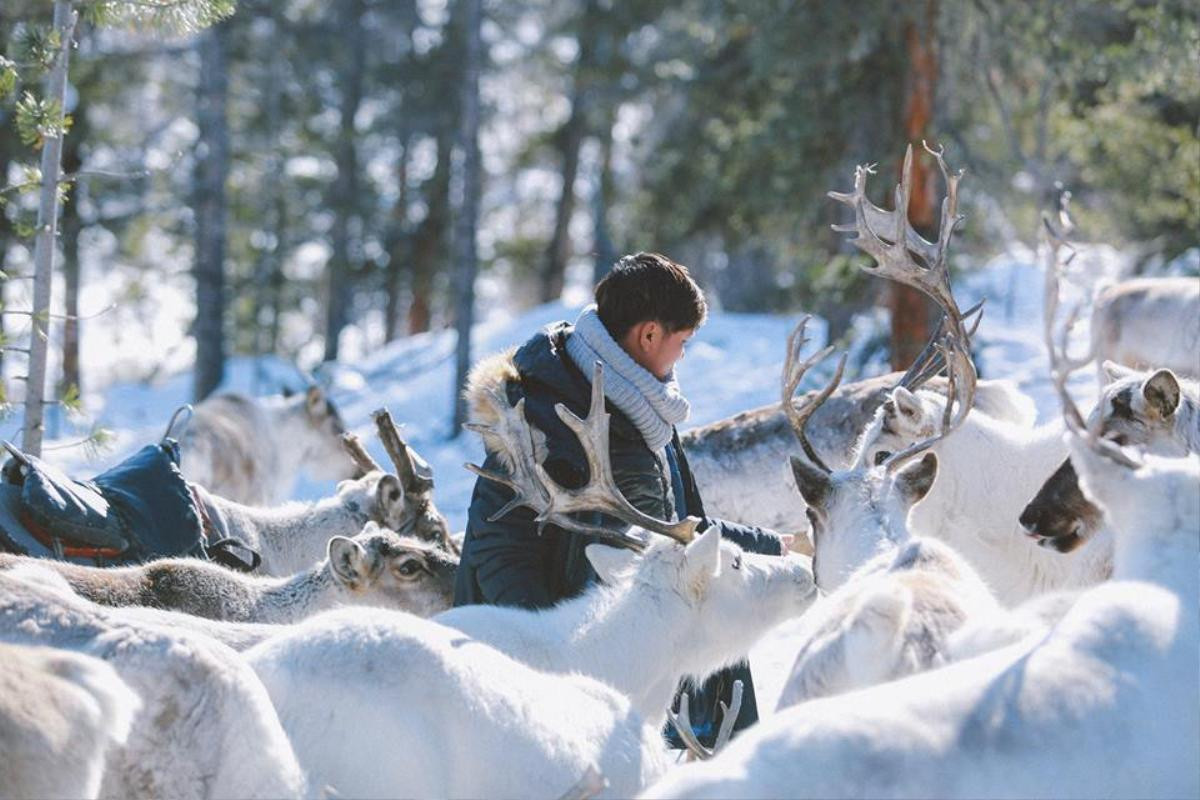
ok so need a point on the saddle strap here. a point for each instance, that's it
(57, 546)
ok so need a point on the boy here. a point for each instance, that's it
(646, 310)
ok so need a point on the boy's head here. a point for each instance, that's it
(651, 307)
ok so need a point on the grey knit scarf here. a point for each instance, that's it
(654, 406)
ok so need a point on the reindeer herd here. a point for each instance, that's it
(990, 608)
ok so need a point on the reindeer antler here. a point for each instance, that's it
(553, 503)
(891, 240)
(683, 724)
(412, 471)
(359, 455)
(1061, 364)
(793, 372)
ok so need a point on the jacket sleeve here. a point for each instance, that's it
(507, 556)
(748, 537)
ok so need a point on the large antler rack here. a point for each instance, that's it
(901, 254)
(1061, 363)
(555, 504)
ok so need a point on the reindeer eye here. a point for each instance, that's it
(882, 456)
(408, 569)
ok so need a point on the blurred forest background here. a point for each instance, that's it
(315, 179)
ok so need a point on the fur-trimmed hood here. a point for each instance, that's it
(542, 372)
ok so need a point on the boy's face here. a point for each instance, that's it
(656, 350)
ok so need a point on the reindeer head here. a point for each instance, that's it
(318, 429)
(1134, 409)
(718, 583)
(381, 568)
(378, 496)
(855, 513)
(415, 514)
(904, 418)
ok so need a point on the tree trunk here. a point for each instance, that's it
(429, 238)
(554, 265)
(399, 244)
(604, 253)
(467, 218)
(72, 227)
(266, 306)
(47, 231)
(210, 203)
(345, 190)
(911, 310)
(6, 232)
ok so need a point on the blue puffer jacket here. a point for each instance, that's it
(506, 562)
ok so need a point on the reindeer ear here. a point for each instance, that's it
(703, 556)
(915, 482)
(1115, 372)
(814, 484)
(349, 562)
(1161, 391)
(907, 404)
(610, 563)
(389, 497)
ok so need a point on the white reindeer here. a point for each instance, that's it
(293, 536)
(60, 715)
(1104, 704)
(206, 728)
(894, 600)
(251, 449)
(515, 689)
(1149, 323)
(376, 568)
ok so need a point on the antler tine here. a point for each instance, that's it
(601, 492)
(359, 455)
(793, 372)
(397, 450)
(1061, 365)
(931, 360)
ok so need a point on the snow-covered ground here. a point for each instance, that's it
(732, 364)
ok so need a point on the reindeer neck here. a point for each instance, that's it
(294, 536)
(1164, 552)
(289, 600)
(632, 638)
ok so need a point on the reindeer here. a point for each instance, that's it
(531, 698)
(1113, 681)
(376, 567)
(1159, 412)
(1149, 323)
(249, 450)
(206, 727)
(291, 537)
(60, 715)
